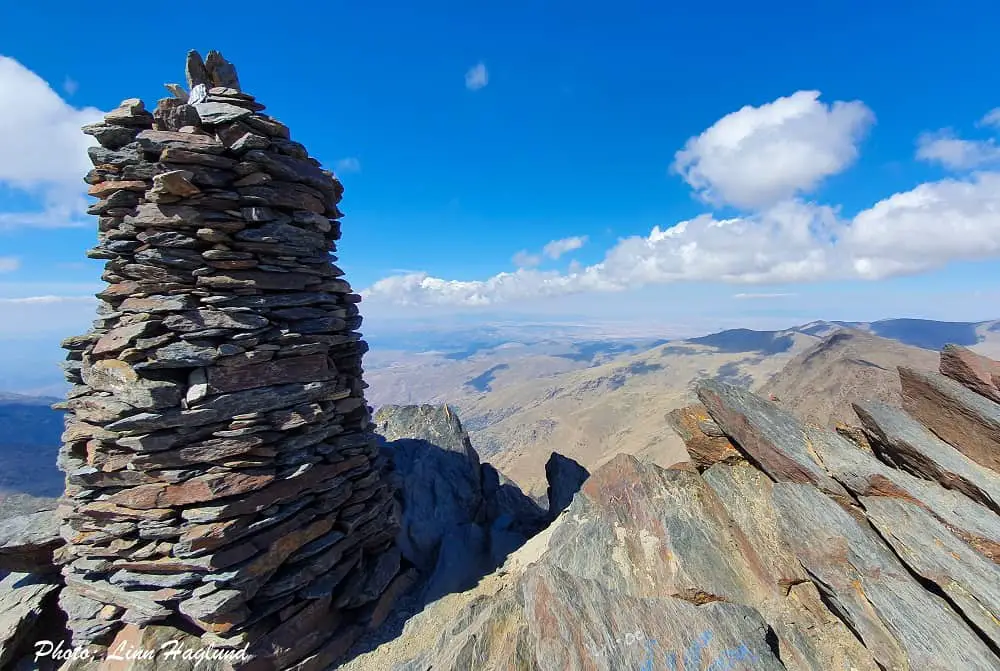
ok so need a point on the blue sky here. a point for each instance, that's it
(470, 136)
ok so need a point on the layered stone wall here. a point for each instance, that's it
(221, 472)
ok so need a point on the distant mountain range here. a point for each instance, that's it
(30, 433)
(525, 392)
(591, 399)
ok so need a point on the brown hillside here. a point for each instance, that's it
(819, 384)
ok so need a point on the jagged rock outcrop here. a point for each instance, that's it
(806, 552)
(221, 470)
(906, 444)
(705, 442)
(460, 517)
(977, 372)
(957, 414)
(565, 477)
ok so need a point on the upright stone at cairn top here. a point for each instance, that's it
(221, 471)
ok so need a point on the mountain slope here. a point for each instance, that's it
(592, 414)
(521, 402)
(819, 385)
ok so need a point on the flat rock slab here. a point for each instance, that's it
(309, 368)
(957, 414)
(971, 581)
(572, 626)
(772, 437)
(22, 598)
(905, 443)
(746, 494)
(903, 625)
(644, 531)
(28, 541)
(977, 372)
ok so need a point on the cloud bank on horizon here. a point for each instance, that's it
(763, 162)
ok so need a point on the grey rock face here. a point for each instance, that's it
(901, 623)
(28, 541)
(771, 436)
(460, 518)
(907, 444)
(970, 581)
(439, 475)
(835, 560)
(955, 413)
(23, 597)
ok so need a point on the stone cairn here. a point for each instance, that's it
(222, 476)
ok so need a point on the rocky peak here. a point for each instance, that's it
(806, 552)
(460, 517)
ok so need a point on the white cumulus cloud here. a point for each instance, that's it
(991, 118)
(42, 150)
(758, 156)
(954, 152)
(477, 77)
(557, 248)
(793, 241)
(553, 249)
(927, 227)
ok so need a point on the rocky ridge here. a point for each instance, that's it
(787, 547)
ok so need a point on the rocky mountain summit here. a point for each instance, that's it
(230, 496)
(779, 546)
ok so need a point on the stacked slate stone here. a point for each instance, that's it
(221, 471)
